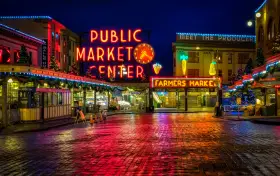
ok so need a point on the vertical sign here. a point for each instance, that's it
(45, 54)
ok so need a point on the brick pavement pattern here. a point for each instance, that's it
(147, 144)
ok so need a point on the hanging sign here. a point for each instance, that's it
(112, 55)
(177, 82)
(45, 54)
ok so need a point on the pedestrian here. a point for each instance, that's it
(95, 118)
(104, 115)
(77, 115)
(100, 115)
(91, 121)
(83, 118)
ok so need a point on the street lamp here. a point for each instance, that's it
(250, 23)
(258, 15)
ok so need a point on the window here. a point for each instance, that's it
(59, 98)
(16, 56)
(229, 75)
(193, 57)
(270, 29)
(220, 73)
(243, 58)
(219, 57)
(57, 35)
(193, 72)
(5, 56)
(230, 58)
(30, 58)
(49, 101)
(261, 34)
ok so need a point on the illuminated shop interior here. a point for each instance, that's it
(175, 98)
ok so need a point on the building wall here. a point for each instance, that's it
(70, 43)
(15, 45)
(268, 25)
(206, 55)
(51, 31)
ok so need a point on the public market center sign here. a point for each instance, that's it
(116, 59)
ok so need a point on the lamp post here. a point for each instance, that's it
(250, 23)
(10, 81)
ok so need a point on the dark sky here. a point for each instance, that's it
(163, 17)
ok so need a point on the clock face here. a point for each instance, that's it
(144, 53)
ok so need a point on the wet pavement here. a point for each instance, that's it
(147, 144)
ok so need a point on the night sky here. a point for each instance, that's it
(163, 18)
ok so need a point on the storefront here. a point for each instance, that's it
(184, 94)
(33, 94)
(264, 83)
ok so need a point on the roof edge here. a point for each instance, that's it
(22, 34)
(205, 34)
(26, 17)
(261, 6)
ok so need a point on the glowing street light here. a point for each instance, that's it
(258, 15)
(250, 23)
(10, 80)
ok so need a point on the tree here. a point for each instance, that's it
(249, 67)
(276, 45)
(53, 64)
(23, 56)
(260, 60)
(239, 75)
(74, 69)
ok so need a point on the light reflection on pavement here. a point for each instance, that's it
(146, 144)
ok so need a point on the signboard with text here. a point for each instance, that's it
(215, 37)
(177, 82)
(116, 54)
(45, 54)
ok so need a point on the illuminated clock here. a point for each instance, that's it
(144, 53)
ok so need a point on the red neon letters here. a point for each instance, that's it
(114, 70)
(100, 55)
(113, 36)
(109, 61)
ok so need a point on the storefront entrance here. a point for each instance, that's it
(184, 94)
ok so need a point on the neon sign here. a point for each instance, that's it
(183, 82)
(157, 67)
(110, 61)
(144, 53)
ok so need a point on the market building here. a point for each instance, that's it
(60, 42)
(267, 25)
(30, 92)
(264, 81)
(199, 57)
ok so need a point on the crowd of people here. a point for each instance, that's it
(93, 118)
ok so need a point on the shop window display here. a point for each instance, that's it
(102, 100)
(132, 100)
(78, 98)
(90, 101)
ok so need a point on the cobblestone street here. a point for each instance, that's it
(148, 144)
